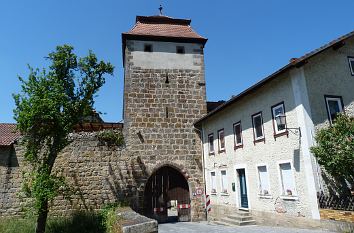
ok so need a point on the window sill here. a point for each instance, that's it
(259, 140)
(214, 194)
(276, 135)
(224, 194)
(222, 151)
(212, 153)
(265, 196)
(238, 146)
(290, 198)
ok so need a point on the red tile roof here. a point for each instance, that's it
(8, 134)
(163, 27)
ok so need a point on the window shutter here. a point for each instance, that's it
(287, 178)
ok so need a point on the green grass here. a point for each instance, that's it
(79, 222)
(17, 225)
(104, 221)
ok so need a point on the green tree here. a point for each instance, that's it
(49, 105)
(335, 148)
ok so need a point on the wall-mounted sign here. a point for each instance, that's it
(199, 191)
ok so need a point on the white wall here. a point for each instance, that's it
(328, 74)
(270, 153)
(164, 55)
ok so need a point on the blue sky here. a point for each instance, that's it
(248, 40)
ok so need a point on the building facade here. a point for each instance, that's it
(256, 145)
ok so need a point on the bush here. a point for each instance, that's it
(335, 147)
(111, 137)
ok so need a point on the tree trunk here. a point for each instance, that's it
(42, 217)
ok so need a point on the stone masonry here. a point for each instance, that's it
(160, 107)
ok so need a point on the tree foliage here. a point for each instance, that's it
(50, 103)
(335, 147)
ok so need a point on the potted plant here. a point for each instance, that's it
(289, 192)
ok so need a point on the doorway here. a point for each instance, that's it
(166, 196)
(243, 188)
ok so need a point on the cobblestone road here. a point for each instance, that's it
(194, 227)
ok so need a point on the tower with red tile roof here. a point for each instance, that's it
(164, 94)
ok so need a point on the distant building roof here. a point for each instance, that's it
(294, 62)
(97, 126)
(211, 105)
(8, 134)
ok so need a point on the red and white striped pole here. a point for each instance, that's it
(207, 203)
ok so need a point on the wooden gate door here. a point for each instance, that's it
(165, 189)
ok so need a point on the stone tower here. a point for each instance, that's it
(164, 94)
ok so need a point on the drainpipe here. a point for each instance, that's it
(203, 168)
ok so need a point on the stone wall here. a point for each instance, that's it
(10, 181)
(97, 174)
(160, 107)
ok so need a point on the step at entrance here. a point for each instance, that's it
(239, 218)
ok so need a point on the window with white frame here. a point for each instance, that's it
(221, 138)
(278, 110)
(213, 182)
(238, 134)
(351, 64)
(287, 179)
(334, 105)
(211, 143)
(263, 180)
(257, 122)
(223, 182)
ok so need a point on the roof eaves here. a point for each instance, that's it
(297, 63)
(243, 93)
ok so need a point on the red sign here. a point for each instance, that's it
(199, 191)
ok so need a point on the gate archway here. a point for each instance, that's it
(166, 196)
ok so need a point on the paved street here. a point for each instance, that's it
(194, 227)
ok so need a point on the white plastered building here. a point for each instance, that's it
(252, 161)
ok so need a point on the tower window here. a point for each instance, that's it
(180, 49)
(147, 47)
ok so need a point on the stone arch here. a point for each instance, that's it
(167, 194)
(176, 166)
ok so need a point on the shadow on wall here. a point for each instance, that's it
(8, 157)
(337, 186)
(8, 162)
(129, 187)
(124, 185)
(296, 160)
